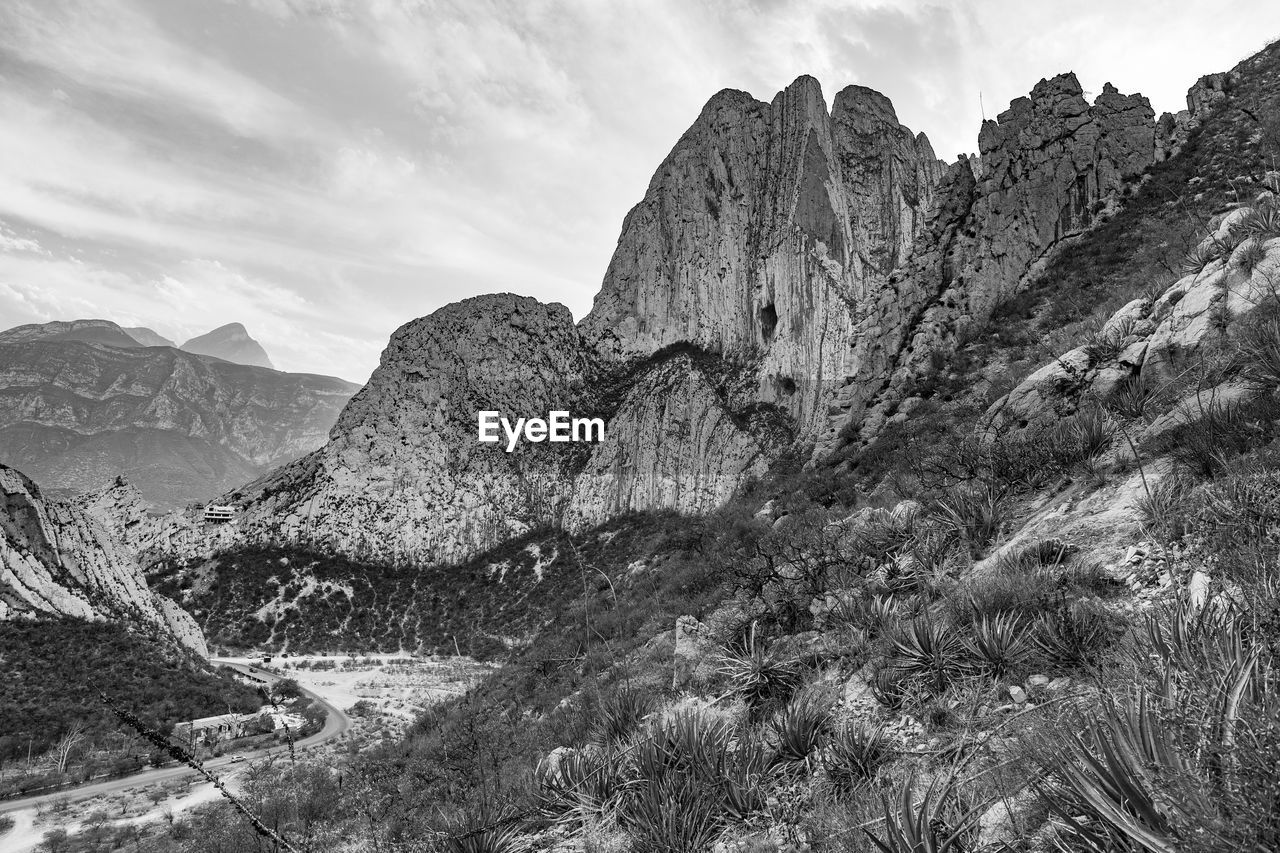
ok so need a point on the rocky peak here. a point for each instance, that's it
(230, 343)
(102, 332)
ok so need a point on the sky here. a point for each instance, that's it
(324, 171)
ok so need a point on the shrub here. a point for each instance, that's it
(1222, 431)
(1013, 586)
(1084, 437)
(583, 784)
(998, 644)
(481, 831)
(855, 752)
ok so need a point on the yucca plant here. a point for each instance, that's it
(928, 651)
(1250, 255)
(890, 687)
(998, 644)
(1084, 437)
(854, 754)
(761, 679)
(936, 824)
(798, 732)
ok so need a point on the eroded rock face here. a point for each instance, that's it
(677, 442)
(760, 234)
(58, 558)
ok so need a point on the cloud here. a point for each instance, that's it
(325, 170)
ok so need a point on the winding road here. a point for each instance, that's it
(336, 723)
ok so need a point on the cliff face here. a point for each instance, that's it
(58, 558)
(787, 272)
(75, 413)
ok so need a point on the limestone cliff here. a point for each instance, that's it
(58, 558)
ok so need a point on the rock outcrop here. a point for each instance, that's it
(81, 403)
(59, 559)
(147, 337)
(230, 343)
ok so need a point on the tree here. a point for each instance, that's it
(286, 688)
(68, 742)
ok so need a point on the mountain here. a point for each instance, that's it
(790, 282)
(60, 560)
(82, 402)
(788, 270)
(148, 338)
(230, 343)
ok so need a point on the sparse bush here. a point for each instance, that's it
(1260, 352)
(855, 752)
(1219, 432)
(1084, 437)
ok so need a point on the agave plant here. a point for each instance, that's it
(1132, 397)
(483, 832)
(673, 814)
(927, 650)
(936, 824)
(799, 731)
(998, 644)
(1260, 350)
(855, 752)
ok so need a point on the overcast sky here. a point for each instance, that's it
(325, 170)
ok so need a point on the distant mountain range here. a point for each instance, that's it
(85, 401)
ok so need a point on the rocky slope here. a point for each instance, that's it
(82, 402)
(147, 337)
(230, 343)
(58, 559)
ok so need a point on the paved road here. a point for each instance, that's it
(336, 723)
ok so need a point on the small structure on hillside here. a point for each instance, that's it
(208, 731)
(219, 513)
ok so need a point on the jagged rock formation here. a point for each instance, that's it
(230, 343)
(806, 263)
(81, 403)
(57, 558)
(147, 337)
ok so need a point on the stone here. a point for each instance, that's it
(694, 647)
(58, 558)
(1018, 695)
(1058, 685)
(1038, 680)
